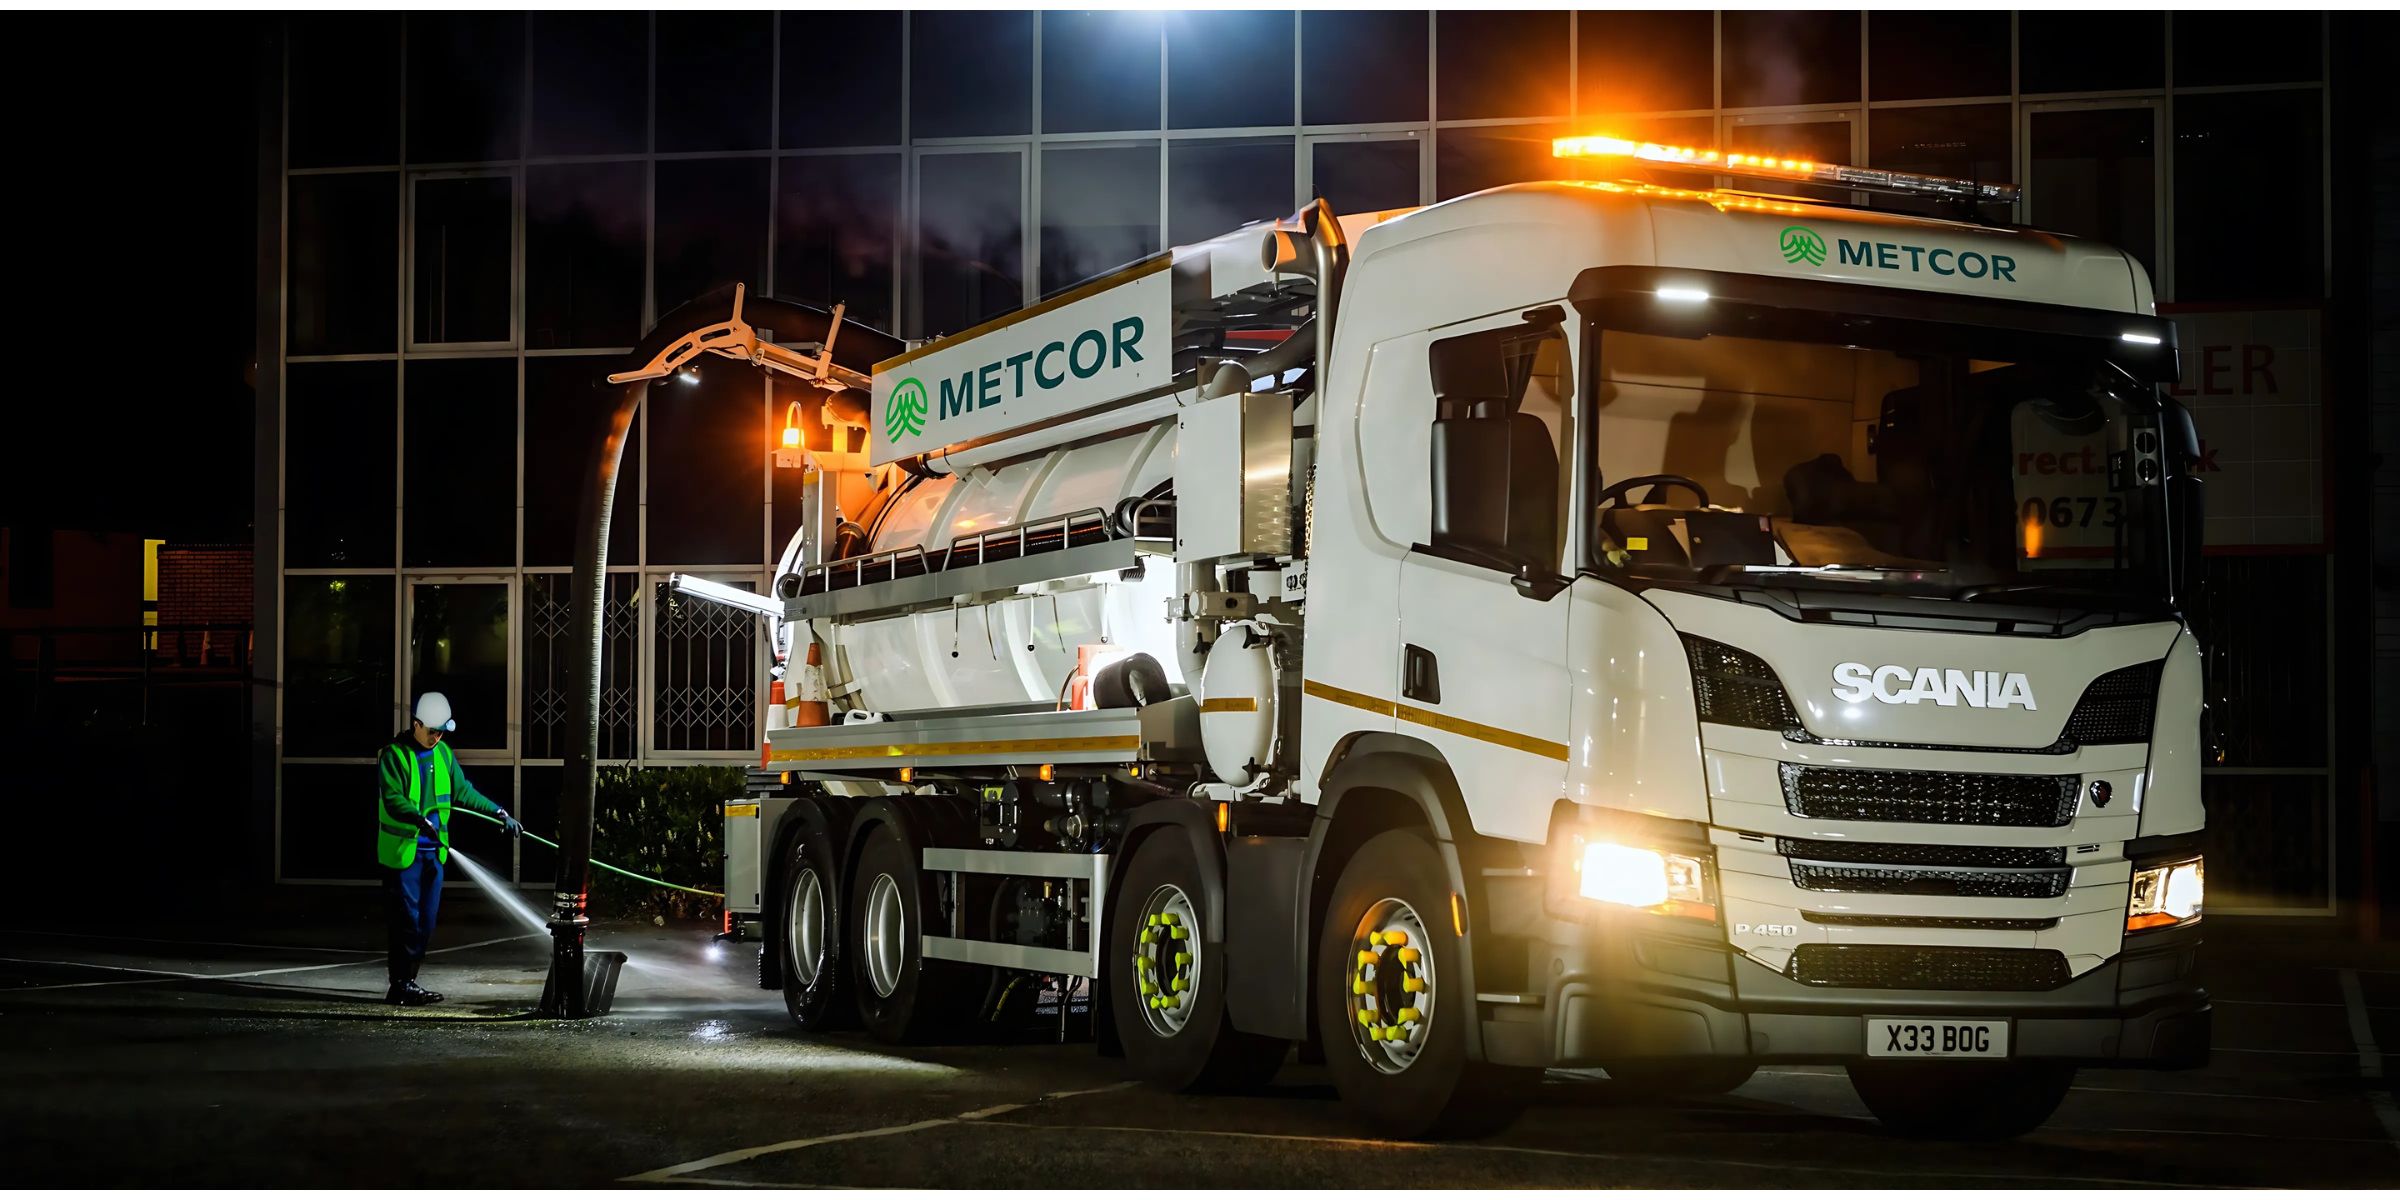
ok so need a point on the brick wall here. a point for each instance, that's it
(203, 585)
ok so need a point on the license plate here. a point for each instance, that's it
(1935, 1037)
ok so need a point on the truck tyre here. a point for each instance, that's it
(901, 997)
(1394, 1000)
(1680, 1077)
(816, 982)
(1169, 984)
(1961, 1102)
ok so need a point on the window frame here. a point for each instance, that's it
(415, 343)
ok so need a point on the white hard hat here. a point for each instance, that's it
(433, 710)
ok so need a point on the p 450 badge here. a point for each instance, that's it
(1856, 683)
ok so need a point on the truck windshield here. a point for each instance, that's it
(1927, 470)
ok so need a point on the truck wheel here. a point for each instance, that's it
(1391, 979)
(809, 934)
(1681, 1077)
(901, 997)
(1961, 1102)
(1170, 985)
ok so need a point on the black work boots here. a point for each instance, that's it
(410, 993)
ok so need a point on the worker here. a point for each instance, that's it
(421, 779)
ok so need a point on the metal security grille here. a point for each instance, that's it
(1929, 797)
(1931, 881)
(704, 657)
(1930, 968)
(2117, 707)
(549, 665)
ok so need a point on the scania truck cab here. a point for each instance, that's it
(1581, 624)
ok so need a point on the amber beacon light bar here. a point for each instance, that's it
(1767, 166)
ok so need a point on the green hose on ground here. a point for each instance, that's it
(597, 863)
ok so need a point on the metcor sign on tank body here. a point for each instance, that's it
(1108, 339)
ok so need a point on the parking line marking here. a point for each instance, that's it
(1594, 1155)
(2199, 1095)
(2370, 1056)
(150, 941)
(676, 1172)
(153, 975)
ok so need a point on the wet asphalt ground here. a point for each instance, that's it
(268, 1062)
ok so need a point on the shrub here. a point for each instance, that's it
(667, 823)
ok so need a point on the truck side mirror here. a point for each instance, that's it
(1470, 474)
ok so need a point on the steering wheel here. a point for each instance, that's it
(1614, 494)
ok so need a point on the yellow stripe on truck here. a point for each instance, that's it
(1492, 734)
(1230, 704)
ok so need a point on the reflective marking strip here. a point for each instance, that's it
(1493, 734)
(741, 810)
(938, 749)
(1230, 704)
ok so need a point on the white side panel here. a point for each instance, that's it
(1502, 660)
(885, 658)
(2170, 803)
(1634, 742)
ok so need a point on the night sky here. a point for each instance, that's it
(133, 259)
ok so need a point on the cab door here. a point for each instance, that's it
(1481, 672)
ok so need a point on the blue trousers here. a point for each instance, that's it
(412, 896)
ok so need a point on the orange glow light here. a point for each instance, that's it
(2033, 535)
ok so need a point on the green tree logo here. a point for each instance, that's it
(904, 413)
(1802, 244)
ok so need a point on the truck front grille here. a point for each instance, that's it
(1877, 921)
(1909, 854)
(1929, 797)
(1931, 881)
(1930, 968)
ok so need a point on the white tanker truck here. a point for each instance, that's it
(1576, 624)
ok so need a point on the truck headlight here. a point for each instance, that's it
(2165, 895)
(1639, 877)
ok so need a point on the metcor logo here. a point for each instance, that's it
(904, 413)
(1802, 244)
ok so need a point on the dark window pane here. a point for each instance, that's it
(1809, 141)
(2262, 618)
(711, 508)
(715, 71)
(1964, 142)
(465, 249)
(837, 219)
(1218, 186)
(459, 486)
(590, 73)
(970, 239)
(970, 73)
(458, 646)
(337, 666)
(466, 74)
(489, 844)
(1358, 177)
(323, 802)
(2095, 175)
(344, 286)
(550, 666)
(1470, 160)
(2090, 51)
(344, 97)
(341, 456)
(704, 660)
(567, 405)
(2249, 162)
(1500, 64)
(1790, 58)
(1099, 211)
(1928, 55)
(712, 227)
(1645, 61)
(1227, 69)
(1099, 71)
(2267, 843)
(583, 255)
(2230, 47)
(1362, 66)
(850, 98)
(537, 804)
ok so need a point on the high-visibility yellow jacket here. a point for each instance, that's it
(400, 819)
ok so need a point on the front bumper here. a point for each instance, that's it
(1615, 991)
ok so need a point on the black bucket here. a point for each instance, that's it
(600, 971)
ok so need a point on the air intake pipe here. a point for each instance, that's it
(1325, 259)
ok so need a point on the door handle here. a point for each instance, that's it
(1420, 675)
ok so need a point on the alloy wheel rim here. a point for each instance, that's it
(1391, 986)
(808, 926)
(1167, 961)
(887, 933)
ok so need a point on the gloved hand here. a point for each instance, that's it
(515, 827)
(431, 824)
